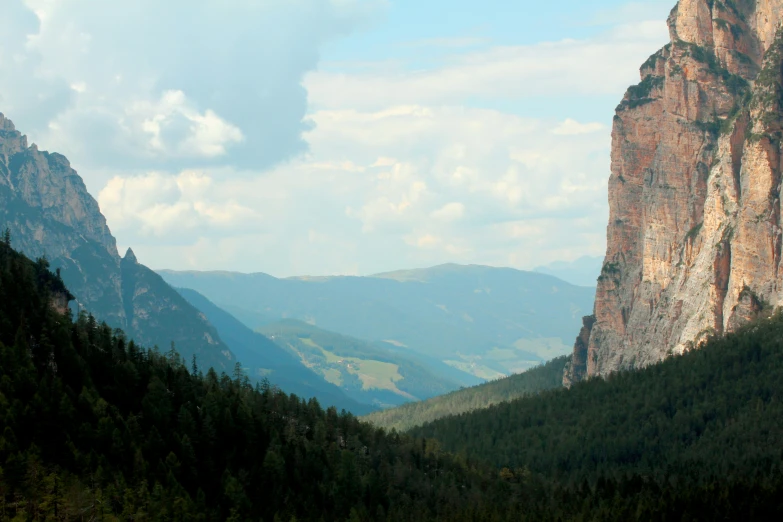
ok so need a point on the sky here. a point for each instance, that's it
(326, 137)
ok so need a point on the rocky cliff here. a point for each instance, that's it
(45, 205)
(694, 234)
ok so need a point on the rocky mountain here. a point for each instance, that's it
(484, 322)
(694, 235)
(45, 205)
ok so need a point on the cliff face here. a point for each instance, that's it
(48, 210)
(694, 234)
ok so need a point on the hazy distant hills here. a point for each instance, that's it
(367, 373)
(261, 358)
(487, 322)
(339, 370)
(583, 271)
(545, 377)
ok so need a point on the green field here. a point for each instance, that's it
(374, 375)
(365, 371)
(473, 366)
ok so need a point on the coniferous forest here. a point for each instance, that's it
(696, 437)
(95, 427)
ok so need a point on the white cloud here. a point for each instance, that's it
(172, 127)
(158, 207)
(449, 212)
(167, 85)
(571, 127)
(449, 43)
(185, 129)
(476, 186)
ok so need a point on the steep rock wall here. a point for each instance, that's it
(694, 234)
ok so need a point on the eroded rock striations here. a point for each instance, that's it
(49, 212)
(694, 234)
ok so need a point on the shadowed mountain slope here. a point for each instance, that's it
(262, 358)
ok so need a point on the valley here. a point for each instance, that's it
(366, 372)
(484, 322)
(520, 375)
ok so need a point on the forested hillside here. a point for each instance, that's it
(94, 427)
(696, 437)
(541, 378)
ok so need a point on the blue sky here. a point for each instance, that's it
(421, 35)
(495, 22)
(332, 136)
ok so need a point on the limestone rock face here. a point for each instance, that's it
(694, 234)
(49, 212)
(45, 204)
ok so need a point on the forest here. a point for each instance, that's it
(545, 377)
(95, 427)
(696, 437)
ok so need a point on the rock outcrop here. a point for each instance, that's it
(694, 234)
(45, 205)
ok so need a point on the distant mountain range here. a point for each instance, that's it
(355, 342)
(368, 372)
(548, 376)
(487, 322)
(581, 272)
(261, 358)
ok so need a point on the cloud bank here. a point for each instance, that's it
(214, 137)
(151, 84)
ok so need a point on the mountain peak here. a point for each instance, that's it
(6, 124)
(130, 256)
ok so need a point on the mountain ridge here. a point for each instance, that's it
(466, 400)
(485, 321)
